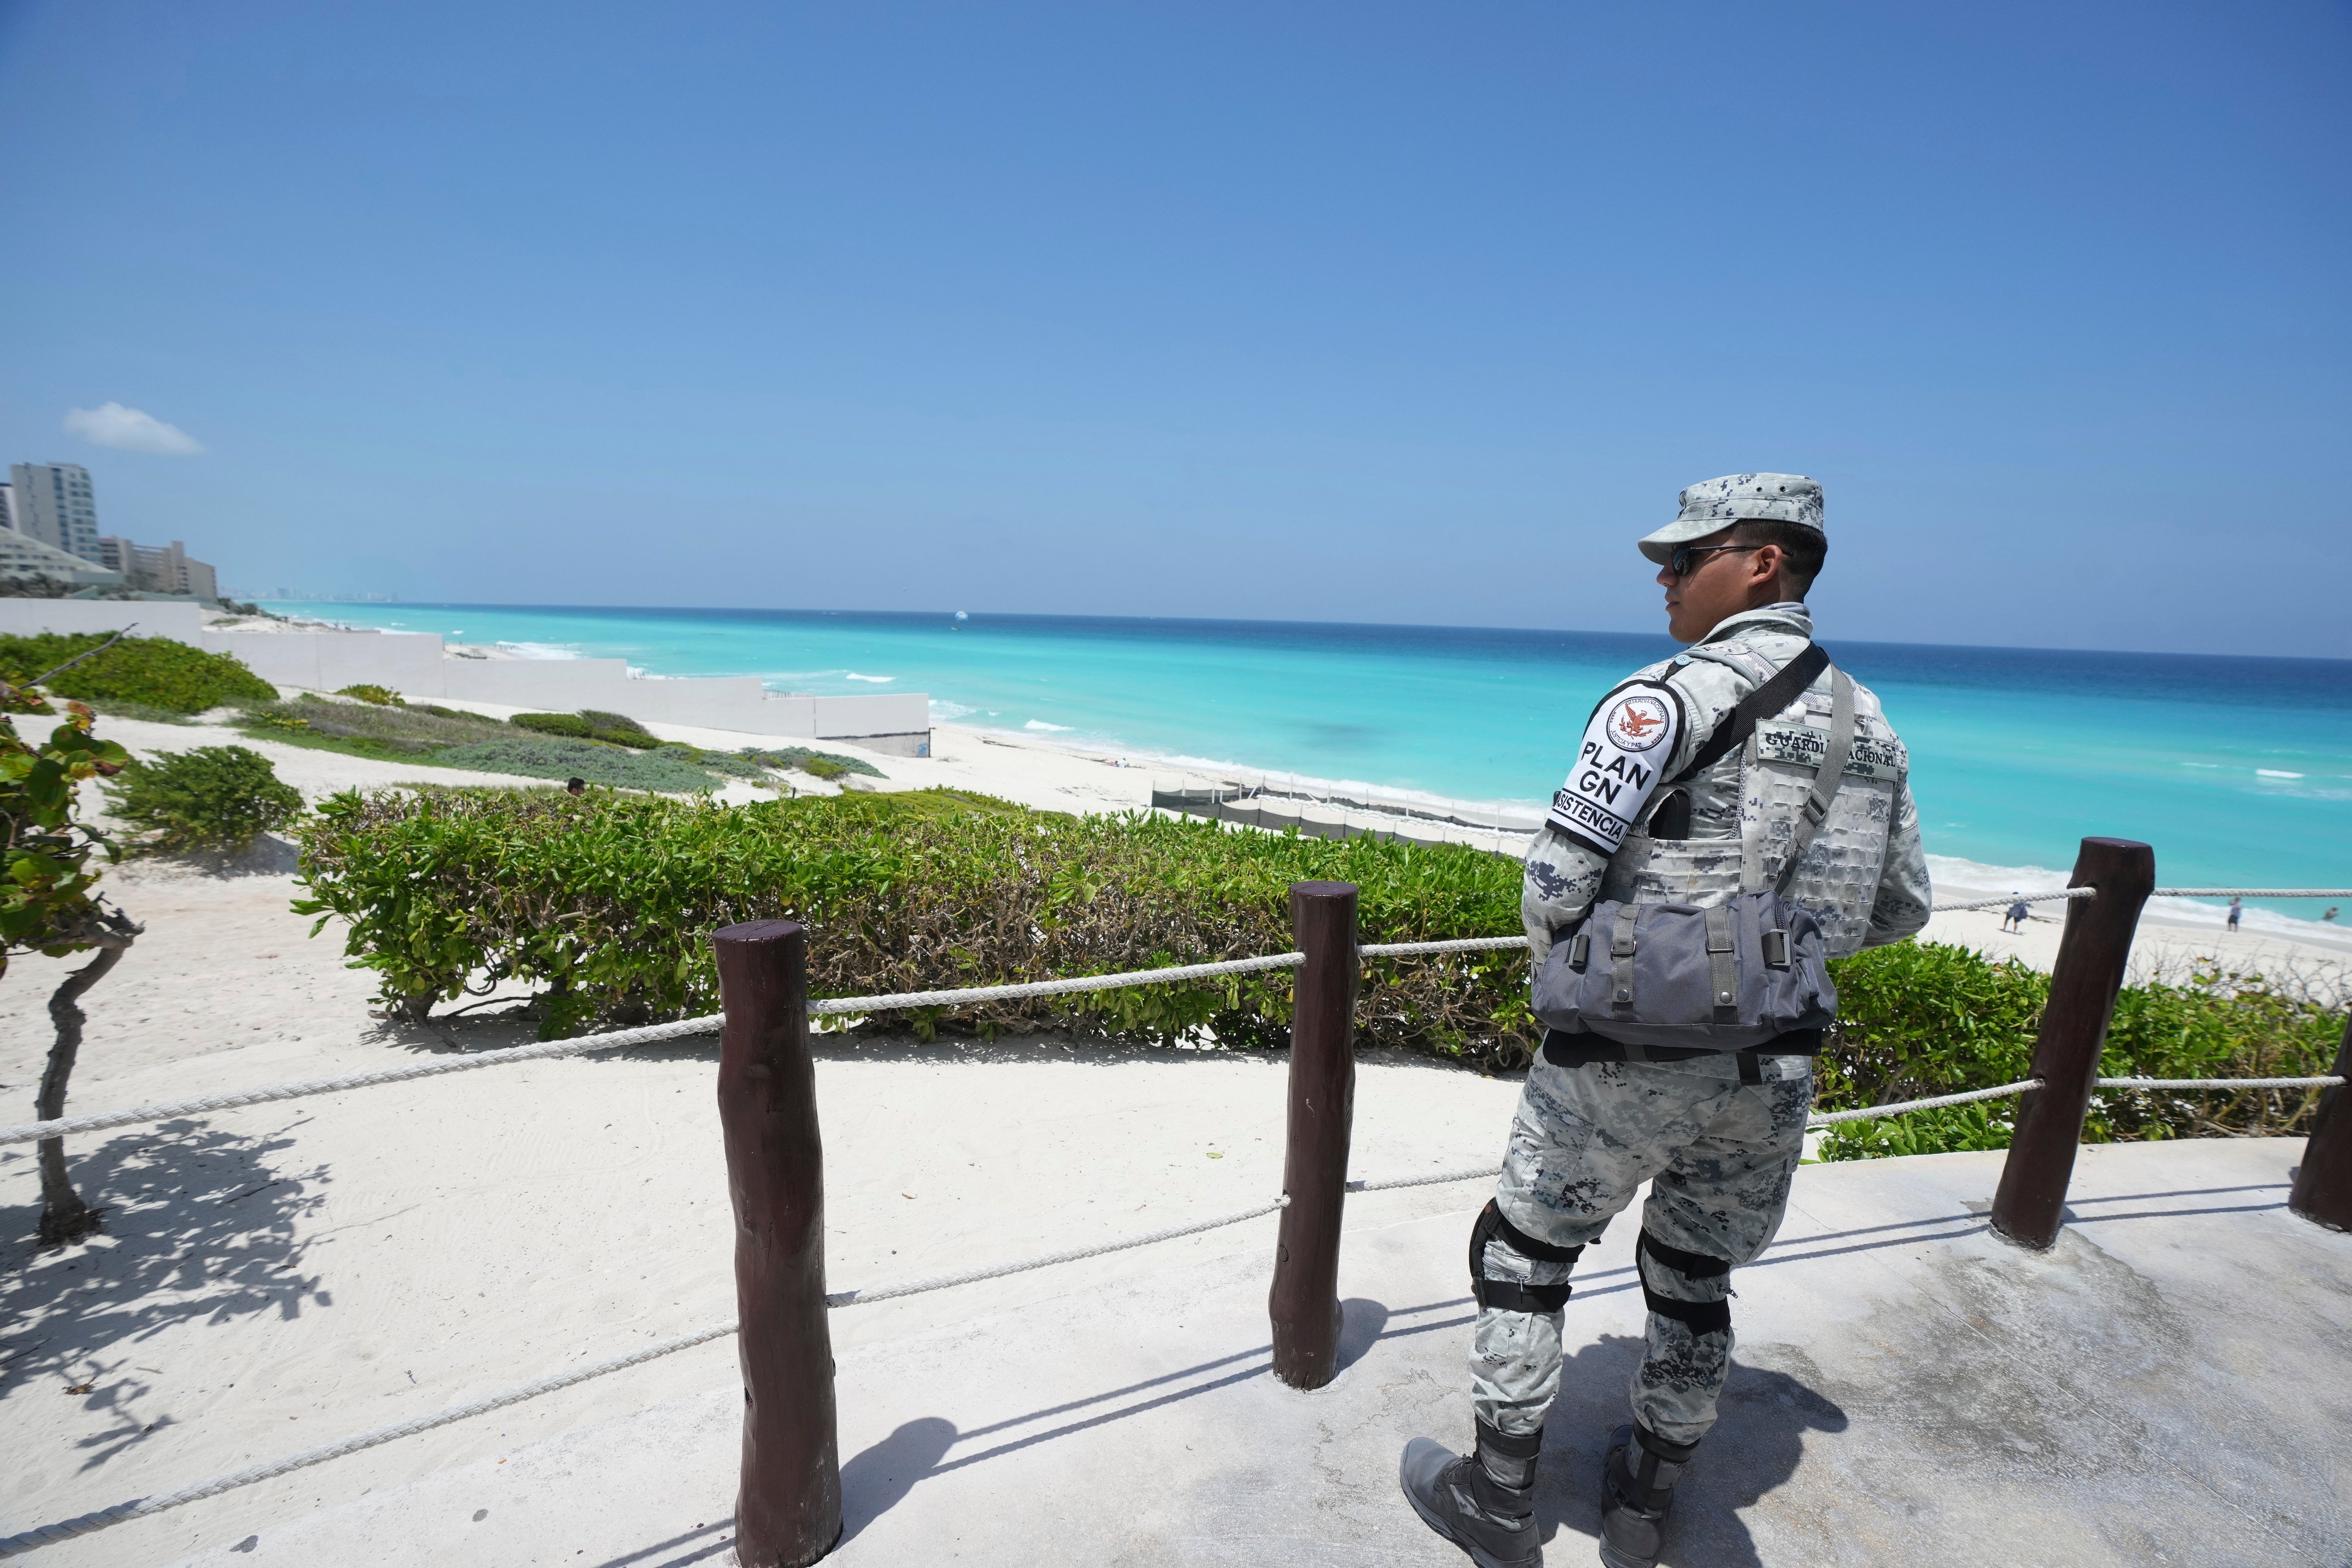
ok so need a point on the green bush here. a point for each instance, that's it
(727, 762)
(49, 901)
(609, 902)
(382, 696)
(823, 767)
(123, 708)
(557, 757)
(156, 671)
(570, 725)
(801, 757)
(613, 729)
(214, 797)
(410, 729)
(1915, 1021)
(613, 726)
(438, 711)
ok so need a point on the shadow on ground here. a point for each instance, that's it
(266, 856)
(1757, 1445)
(200, 1225)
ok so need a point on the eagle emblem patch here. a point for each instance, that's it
(1627, 744)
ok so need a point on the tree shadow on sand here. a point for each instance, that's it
(1755, 1446)
(200, 1227)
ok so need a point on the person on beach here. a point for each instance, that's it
(2015, 918)
(1744, 783)
(2237, 908)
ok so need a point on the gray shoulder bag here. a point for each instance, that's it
(1727, 977)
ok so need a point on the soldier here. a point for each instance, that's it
(1687, 791)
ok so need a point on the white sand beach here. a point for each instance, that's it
(277, 1277)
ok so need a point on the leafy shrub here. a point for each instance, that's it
(801, 756)
(49, 875)
(1916, 1021)
(727, 762)
(214, 797)
(613, 729)
(405, 731)
(557, 757)
(123, 708)
(609, 903)
(438, 711)
(156, 671)
(382, 696)
(570, 725)
(823, 767)
(615, 725)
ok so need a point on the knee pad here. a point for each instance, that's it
(1699, 1317)
(1509, 1294)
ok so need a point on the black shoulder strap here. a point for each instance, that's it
(1761, 703)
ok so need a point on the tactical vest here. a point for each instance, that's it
(1771, 771)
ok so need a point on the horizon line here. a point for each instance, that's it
(974, 615)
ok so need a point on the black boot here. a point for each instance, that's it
(1484, 1502)
(1637, 1487)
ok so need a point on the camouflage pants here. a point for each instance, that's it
(1720, 1155)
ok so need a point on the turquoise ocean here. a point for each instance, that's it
(2238, 770)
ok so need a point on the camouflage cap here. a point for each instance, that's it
(1716, 504)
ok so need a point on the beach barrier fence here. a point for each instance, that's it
(1339, 815)
(789, 1505)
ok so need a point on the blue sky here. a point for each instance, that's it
(1363, 313)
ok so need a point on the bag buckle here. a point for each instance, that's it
(1775, 949)
(1580, 951)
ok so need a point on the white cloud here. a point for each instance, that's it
(132, 429)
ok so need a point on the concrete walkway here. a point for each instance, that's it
(2171, 1384)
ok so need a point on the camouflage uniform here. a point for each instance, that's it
(1719, 1153)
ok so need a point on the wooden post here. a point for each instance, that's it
(788, 1511)
(2322, 1184)
(1305, 1301)
(2031, 1199)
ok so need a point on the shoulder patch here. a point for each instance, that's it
(1627, 744)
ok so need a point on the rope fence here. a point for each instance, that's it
(2016, 898)
(1873, 1112)
(2325, 1081)
(972, 994)
(2251, 893)
(141, 1508)
(656, 1034)
(839, 1006)
(171, 1110)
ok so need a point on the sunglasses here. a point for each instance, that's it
(1685, 555)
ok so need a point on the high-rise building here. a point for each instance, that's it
(22, 556)
(171, 570)
(51, 502)
(7, 513)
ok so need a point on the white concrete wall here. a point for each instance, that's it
(328, 661)
(31, 617)
(845, 718)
